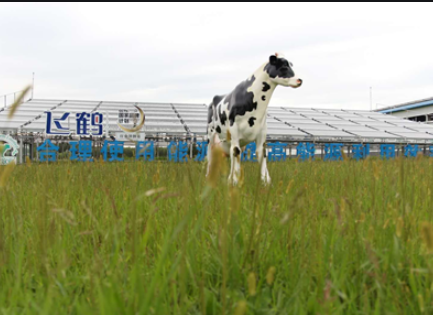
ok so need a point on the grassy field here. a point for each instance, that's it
(157, 238)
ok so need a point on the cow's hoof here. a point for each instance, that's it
(266, 180)
(233, 181)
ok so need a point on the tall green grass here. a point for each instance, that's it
(154, 238)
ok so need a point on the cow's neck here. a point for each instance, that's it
(261, 77)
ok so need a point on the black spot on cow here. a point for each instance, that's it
(218, 129)
(210, 113)
(236, 151)
(217, 99)
(279, 67)
(212, 106)
(263, 98)
(251, 121)
(240, 100)
(266, 87)
(222, 116)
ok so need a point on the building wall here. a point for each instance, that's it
(418, 114)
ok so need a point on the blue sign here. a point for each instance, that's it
(202, 151)
(178, 152)
(360, 151)
(387, 151)
(305, 151)
(81, 151)
(86, 124)
(146, 150)
(249, 153)
(60, 125)
(411, 150)
(47, 151)
(333, 152)
(113, 149)
(89, 124)
(278, 151)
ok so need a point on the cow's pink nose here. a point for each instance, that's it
(299, 82)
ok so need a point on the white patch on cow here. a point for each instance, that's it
(293, 82)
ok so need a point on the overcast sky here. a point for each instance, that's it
(191, 52)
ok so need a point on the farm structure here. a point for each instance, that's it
(167, 122)
(420, 111)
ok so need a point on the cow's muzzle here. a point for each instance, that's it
(299, 83)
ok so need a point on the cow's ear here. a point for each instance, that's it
(273, 60)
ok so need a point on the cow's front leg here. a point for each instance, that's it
(261, 157)
(210, 146)
(235, 157)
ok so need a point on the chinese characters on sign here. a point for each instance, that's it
(113, 149)
(360, 151)
(387, 151)
(86, 124)
(249, 154)
(178, 151)
(333, 152)
(411, 150)
(202, 151)
(48, 152)
(81, 151)
(305, 151)
(278, 151)
(146, 150)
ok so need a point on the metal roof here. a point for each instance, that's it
(407, 106)
(283, 123)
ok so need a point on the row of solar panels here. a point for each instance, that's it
(349, 124)
(289, 124)
(160, 118)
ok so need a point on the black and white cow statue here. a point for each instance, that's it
(238, 118)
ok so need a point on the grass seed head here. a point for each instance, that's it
(270, 276)
(427, 235)
(241, 308)
(18, 102)
(399, 227)
(234, 199)
(252, 284)
(217, 157)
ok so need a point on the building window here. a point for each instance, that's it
(422, 118)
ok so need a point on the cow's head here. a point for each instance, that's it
(281, 72)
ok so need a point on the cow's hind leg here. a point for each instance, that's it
(209, 151)
(235, 157)
(261, 157)
(211, 135)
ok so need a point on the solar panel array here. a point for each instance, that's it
(283, 123)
